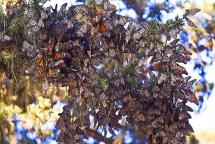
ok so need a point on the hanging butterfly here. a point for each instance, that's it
(184, 115)
(41, 72)
(26, 46)
(52, 73)
(45, 86)
(46, 72)
(59, 64)
(39, 60)
(43, 15)
(63, 8)
(51, 44)
(189, 84)
(157, 66)
(32, 22)
(4, 38)
(190, 23)
(192, 12)
(101, 27)
(98, 10)
(40, 23)
(57, 55)
(187, 108)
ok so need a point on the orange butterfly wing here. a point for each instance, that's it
(98, 10)
(57, 56)
(39, 61)
(101, 28)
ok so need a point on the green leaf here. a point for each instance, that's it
(104, 84)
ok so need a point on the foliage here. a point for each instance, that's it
(192, 140)
(38, 128)
(17, 100)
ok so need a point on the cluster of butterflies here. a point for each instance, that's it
(59, 51)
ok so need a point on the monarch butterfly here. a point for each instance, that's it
(52, 72)
(70, 82)
(190, 23)
(157, 66)
(59, 63)
(39, 60)
(43, 15)
(57, 56)
(184, 115)
(49, 49)
(101, 27)
(47, 73)
(98, 10)
(41, 72)
(192, 12)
